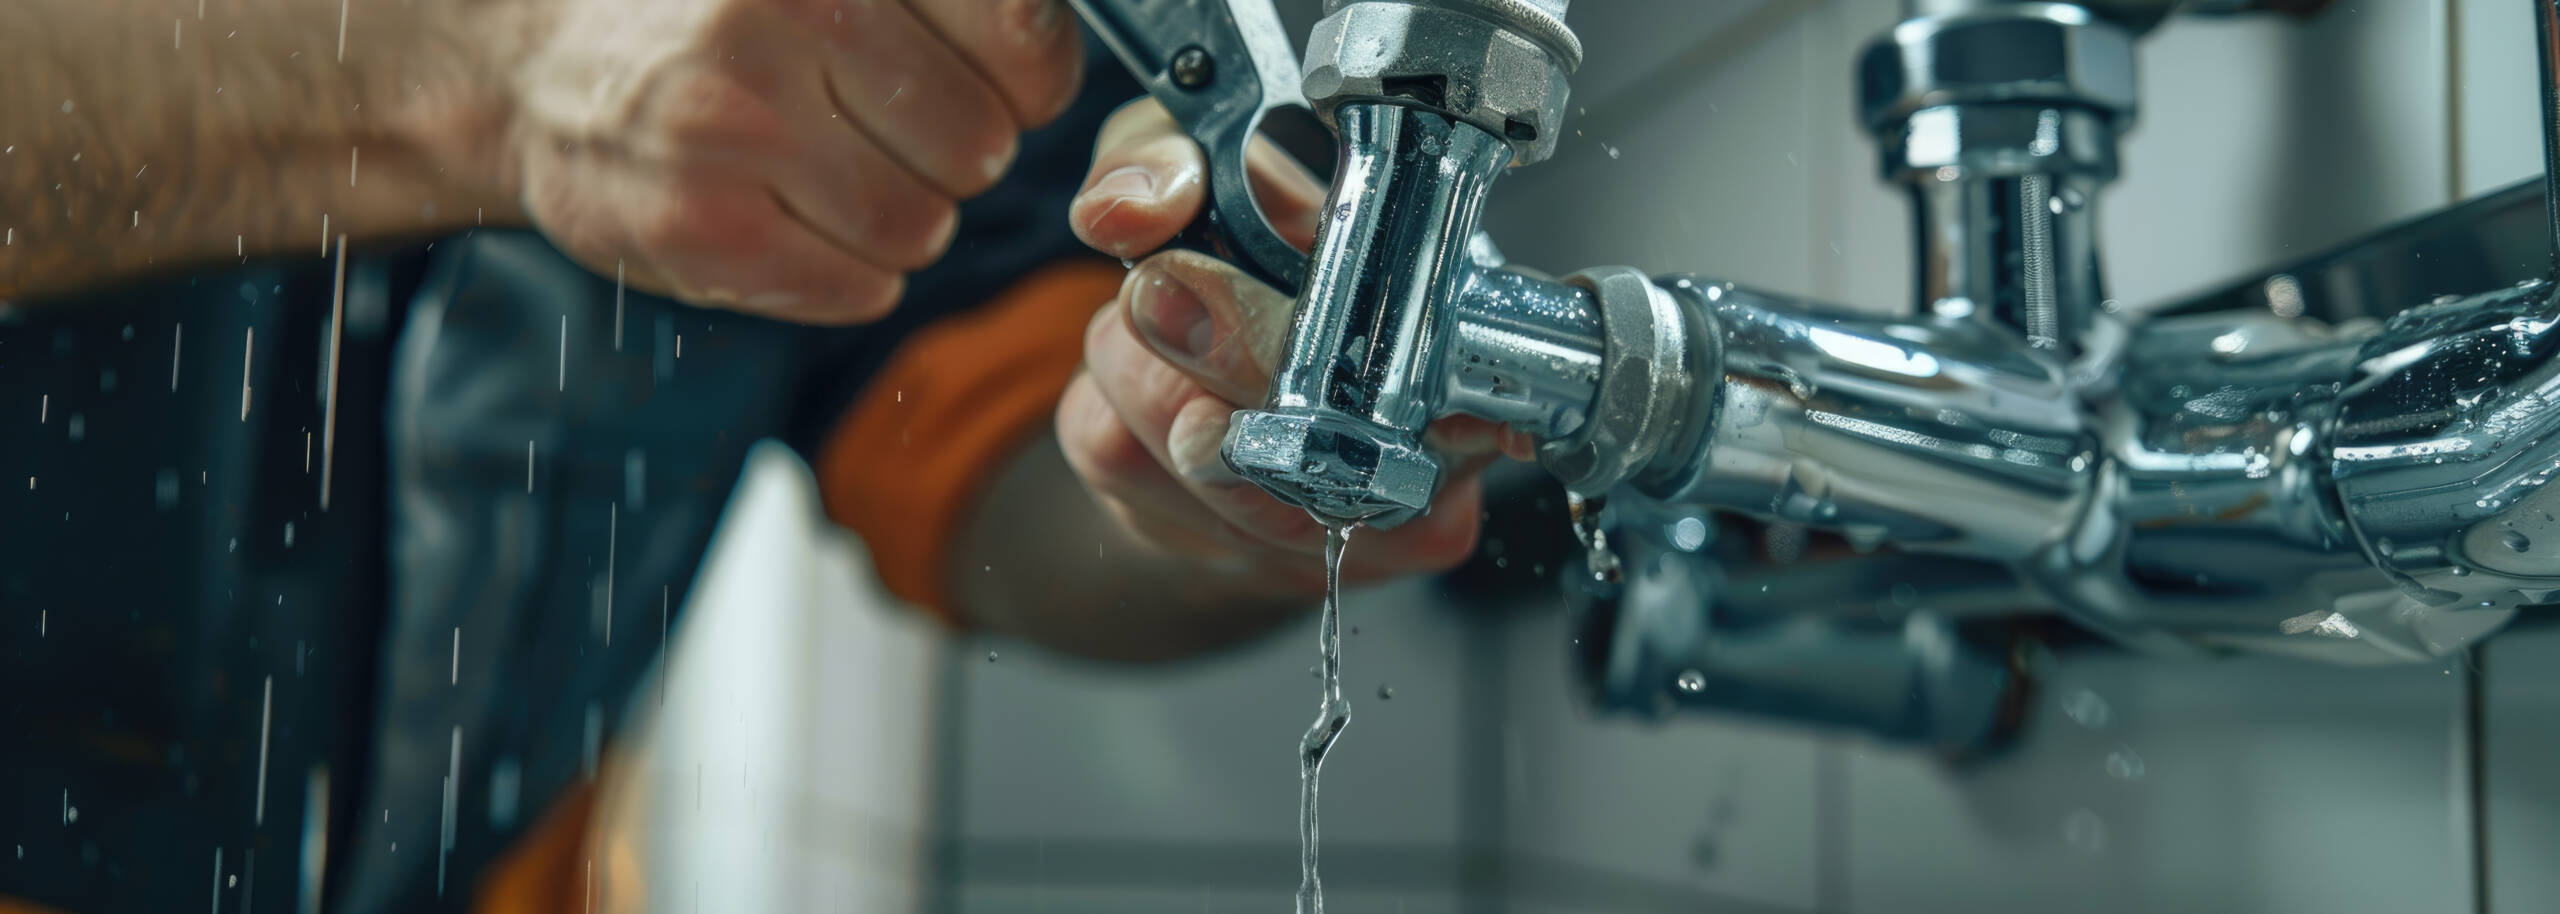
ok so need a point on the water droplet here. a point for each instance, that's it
(235, 881)
(991, 656)
(71, 814)
(2124, 765)
(1312, 466)
(2517, 541)
(1386, 692)
(2085, 708)
(1692, 681)
(1613, 150)
(1688, 534)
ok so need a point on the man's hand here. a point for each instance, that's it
(1189, 341)
(793, 158)
(789, 157)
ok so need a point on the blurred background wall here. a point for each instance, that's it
(821, 751)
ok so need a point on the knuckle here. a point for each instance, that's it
(1129, 124)
(1098, 348)
(869, 298)
(1128, 519)
(1038, 37)
(1160, 388)
(991, 145)
(941, 220)
(699, 215)
(710, 107)
(1119, 458)
(1103, 450)
(672, 225)
(1053, 87)
(662, 230)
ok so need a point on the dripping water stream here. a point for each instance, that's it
(1332, 712)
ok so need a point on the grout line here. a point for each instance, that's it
(2453, 111)
(2475, 744)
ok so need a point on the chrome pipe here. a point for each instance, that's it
(2546, 21)
(1362, 373)
(1935, 434)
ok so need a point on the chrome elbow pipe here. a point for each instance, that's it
(2186, 483)
(1361, 375)
(1937, 434)
(2364, 496)
(2446, 436)
(1432, 100)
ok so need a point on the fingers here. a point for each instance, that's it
(1029, 50)
(1144, 184)
(1169, 487)
(1211, 322)
(1126, 479)
(1438, 540)
(853, 193)
(1147, 183)
(1192, 339)
(893, 78)
(1180, 423)
(1467, 437)
(741, 247)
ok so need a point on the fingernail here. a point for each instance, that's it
(1126, 182)
(1171, 318)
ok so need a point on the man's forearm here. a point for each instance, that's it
(161, 132)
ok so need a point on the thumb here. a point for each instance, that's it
(1146, 183)
(1222, 328)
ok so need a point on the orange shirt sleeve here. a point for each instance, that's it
(955, 401)
(547, 870)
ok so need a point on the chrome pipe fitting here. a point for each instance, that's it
(1362, 374)
(1500, 65)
